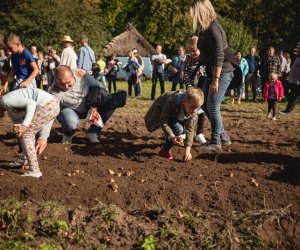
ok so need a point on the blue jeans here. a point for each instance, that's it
(112, 79)
(155, 77)
(136, 86)
(17, 83)
(101, 77)
(212, 105)
(178, 129)
(70, 119)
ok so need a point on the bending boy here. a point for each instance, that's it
(175, 113)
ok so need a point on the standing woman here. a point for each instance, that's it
(242, 62)
(217, 57)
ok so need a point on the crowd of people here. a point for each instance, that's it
(36, 89)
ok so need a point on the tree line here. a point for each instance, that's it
(259, 23)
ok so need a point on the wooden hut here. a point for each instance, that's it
(129, 40)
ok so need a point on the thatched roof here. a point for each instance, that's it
(128, 40)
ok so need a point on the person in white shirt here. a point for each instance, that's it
(68, 55)
(158, 61)
(32, 111)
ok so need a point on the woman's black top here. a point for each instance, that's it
(214, 49)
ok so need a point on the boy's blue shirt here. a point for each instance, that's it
(21, 63)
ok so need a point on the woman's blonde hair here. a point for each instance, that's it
(203, 12)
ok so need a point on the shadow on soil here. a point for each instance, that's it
(289, 173)
(113, 144)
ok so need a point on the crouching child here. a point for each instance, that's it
(176, 114)
(32, 111)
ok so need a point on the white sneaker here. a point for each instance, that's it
(183, 136)
(36, 174)
(200, 138)
(274, 118)
(16, 163)
(67, 139)
(93, 137)
(270, 115)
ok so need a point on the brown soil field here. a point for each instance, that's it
(209, 202)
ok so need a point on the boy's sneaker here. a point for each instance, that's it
(36, 174)
(166, 154)
(225, 140)
(67, 139)
(200, 138)
(284, 112)
(274, 118)
(93, 137)
(212, 147)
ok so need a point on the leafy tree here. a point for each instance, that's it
(272, 22)
(239, 37)
(43, 23)
(165, 22)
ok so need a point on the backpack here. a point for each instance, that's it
(99, 98)
(96, 97)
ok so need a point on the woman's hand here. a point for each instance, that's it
(214, 87)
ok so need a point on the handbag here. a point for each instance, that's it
(237, 72)
(118, 99)
(237, 77)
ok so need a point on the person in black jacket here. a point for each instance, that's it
(253, 61)
(218, 60)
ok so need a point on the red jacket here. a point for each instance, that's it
(278, 90)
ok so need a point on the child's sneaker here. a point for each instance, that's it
(225, 140)
(212, 147)
(36, 174)
(274, 118)
(269, 115)
(93, 137)
(67, 139)
(183, 136)
(166, 154)
(200, 138)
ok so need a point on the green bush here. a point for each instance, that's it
(239, 37)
